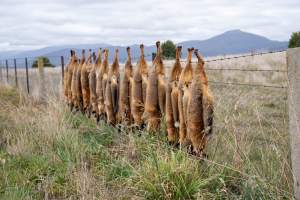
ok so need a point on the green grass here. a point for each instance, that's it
(48, 152)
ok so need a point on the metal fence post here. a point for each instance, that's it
(16, 74)
(62, 69)
(27, 77)
(293, 64)
(6, 64)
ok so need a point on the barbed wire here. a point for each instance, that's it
(207, 61)
(246, 84)
(150, 55)
(243, 56)
(250, 70)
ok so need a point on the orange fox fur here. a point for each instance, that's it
(125, 92)
(172, 109)
(67, 87)
(68, 78)
(200, 110)
(73, 96)
(101, 84)
(155, 94)
(185, 81)
(112, 91)
(78, 88)
(139, 85)
(85, 81)
(92, 84)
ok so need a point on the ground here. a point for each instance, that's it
(47, 152)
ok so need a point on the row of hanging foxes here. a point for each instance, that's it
(144, 96)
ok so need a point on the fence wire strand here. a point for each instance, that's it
(9, 64)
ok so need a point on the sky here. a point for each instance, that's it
(33, 24)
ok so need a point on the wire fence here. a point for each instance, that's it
(19, 72)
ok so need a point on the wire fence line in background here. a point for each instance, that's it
(245, 84)
(60, 61)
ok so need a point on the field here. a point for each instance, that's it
(47, 152)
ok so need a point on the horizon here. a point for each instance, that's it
(31, 24)
(108, 44)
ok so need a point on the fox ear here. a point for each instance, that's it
(158, 44)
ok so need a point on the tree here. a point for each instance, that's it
(46, 62)
(168, 49)
(294, 40)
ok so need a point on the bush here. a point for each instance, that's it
(294, 40)
(46, 62)
(168, 49)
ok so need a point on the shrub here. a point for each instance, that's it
(46, 62)
(168, 49)
(294, 40)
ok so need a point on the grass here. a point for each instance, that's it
(46, 152)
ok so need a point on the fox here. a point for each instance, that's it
(67, 87)
(92, 85)
(71, 67)
(85, 70)
(102, 73)
(138, 88)
(172, 95)
(200, 110)
(125, 116)
(78, 83)
(155, 93)
(112, 91)
(185, 81)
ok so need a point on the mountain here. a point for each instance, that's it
(230, 42)
(234, 42)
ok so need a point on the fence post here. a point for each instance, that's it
(16, 75)
(42, 88)
(27, 77)
(62, 69)
(293, 67)
(6, 64)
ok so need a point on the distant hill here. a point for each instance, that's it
(234, 42)
(230, 42)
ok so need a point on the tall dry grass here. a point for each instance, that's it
(47, 152)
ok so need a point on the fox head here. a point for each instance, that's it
(98, 59)
(176, 70)
(82, 60)
(190, 54)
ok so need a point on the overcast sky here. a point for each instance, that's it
(31, 24)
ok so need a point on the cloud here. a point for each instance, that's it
(29, 24)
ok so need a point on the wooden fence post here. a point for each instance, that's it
(16, 74)
(293, 66)
(27, 77)
(42, 92)
(62, 69)
(6, 64)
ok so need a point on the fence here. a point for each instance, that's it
(250, 92)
